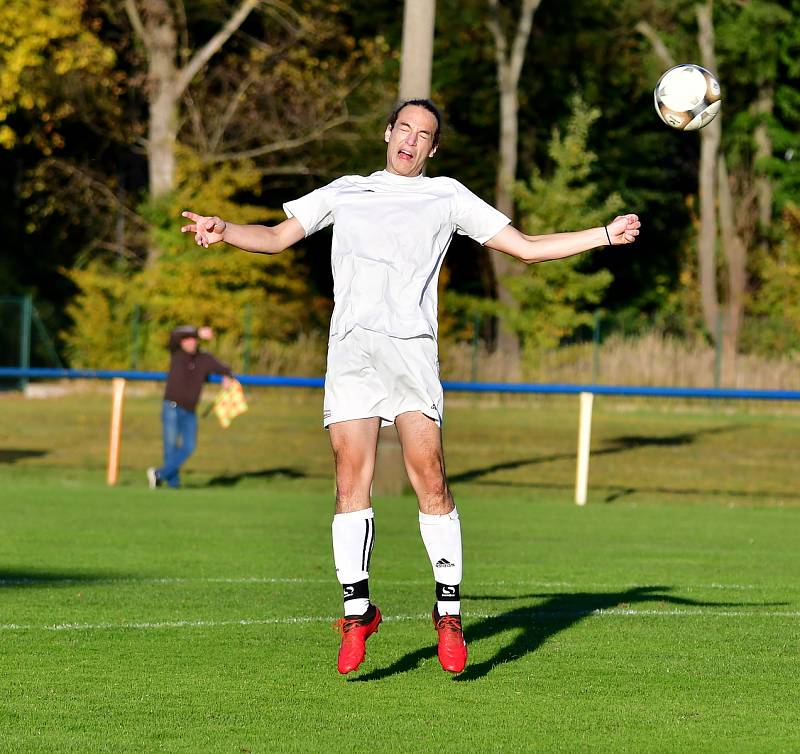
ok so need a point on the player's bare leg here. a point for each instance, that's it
(354, 445)
(421, 440)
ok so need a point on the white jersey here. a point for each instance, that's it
(390, 235)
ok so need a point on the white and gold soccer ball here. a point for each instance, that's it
(687, 97)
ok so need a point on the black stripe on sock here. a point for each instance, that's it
(371, 543)
(447, 592)
(367, 549)
(357, 591)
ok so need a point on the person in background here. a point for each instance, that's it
(188, 369)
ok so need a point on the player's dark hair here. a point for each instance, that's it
(427, 105)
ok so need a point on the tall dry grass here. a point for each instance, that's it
(653, 359)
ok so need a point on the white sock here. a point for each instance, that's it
(442, 538)
(353, 539)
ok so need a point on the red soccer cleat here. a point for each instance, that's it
(452, 647)
(355, 631)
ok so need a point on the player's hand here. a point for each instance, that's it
(205, 333)
(207, 230)
(623, 229)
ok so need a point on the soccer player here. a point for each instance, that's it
(391, 230)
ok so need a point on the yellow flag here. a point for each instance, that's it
(229, 403)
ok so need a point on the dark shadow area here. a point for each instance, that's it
(229, 480)
(532, 625)
(475, 474)
(12, 455)
(619, 444)
(11, 578)
(616, 492)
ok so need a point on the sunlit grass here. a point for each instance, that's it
(661, 617)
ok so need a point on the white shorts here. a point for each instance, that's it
(371, 374)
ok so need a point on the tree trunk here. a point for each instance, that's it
(710, 137)
(707, 235)
(736, 256)
(763, 108)
(162, 97)
(509, 66)
(417, 55)
(508, 143)
(504, 266)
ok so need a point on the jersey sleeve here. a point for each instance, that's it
(314, 211)
(474, 217)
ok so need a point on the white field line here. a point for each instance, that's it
(307, 619)
(258, 580)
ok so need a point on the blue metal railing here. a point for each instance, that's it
(464, 387)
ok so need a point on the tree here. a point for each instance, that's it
(225, 288)
(509, 57)
(553, 300)
(47, 53)
(778, 302)
(556, 298)
(155, 24)
(731, 202)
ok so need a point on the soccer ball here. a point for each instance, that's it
(687, 97)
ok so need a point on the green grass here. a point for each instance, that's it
(662, 617)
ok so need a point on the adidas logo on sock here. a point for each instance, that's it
(444, 563)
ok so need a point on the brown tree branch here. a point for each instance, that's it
(210, 48)
(136, 20)
(524, 26)
(99, 188)
(500, 41)
(230, 110)
(286, 144)
(659, 48)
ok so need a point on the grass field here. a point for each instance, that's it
(662, 617)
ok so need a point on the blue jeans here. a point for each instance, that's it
(179, 428)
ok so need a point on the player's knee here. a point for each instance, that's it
(429, 481)
(353, 480)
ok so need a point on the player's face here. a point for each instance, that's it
(410, 141)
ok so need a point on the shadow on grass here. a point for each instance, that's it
(617, 492)
(11, 578)
(229, 480)
(533, 624)
(620, 444)
(12, 455)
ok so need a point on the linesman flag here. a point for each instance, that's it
(229, 403)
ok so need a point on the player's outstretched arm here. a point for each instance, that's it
(262, 239)
(530, 249)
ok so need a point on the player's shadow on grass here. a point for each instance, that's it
(620, 444)
(531, 626)
(11, 578)
(229, 480)
(12, 455)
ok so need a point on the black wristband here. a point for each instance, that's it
(605, 228)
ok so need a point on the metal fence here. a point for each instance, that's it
(460, 387)
(23, 336)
